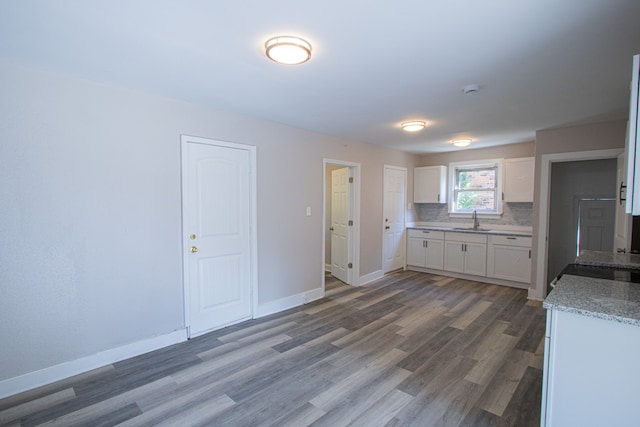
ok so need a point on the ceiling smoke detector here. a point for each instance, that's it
(471, 89)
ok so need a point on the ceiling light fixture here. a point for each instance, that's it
(413, 126)
(461, 142)
(289, 50)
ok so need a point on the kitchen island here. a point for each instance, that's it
(592, 351)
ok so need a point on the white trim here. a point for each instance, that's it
(543, 210)
(371, 277)
(253, 218)
(404, 210)
(64, 370)
(291, 301)
(354, 250)
(327, 268)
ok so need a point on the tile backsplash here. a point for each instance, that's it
(520, 214)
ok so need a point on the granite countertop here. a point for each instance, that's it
(604, 299)
(480, 230)
(609, 259)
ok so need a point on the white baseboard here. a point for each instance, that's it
(534, 295)
(64, 370)
(371, 277)
(327, 268)
(289, 302)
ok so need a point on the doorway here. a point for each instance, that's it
(546, 162)
(341, 221)
(582, 210)
(219, 233)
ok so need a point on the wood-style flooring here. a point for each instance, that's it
(411, 349)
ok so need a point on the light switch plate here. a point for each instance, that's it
(308, 210)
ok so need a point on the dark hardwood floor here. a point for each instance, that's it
(411, 349)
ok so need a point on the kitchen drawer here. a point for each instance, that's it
(426, 234)
(511, 241)
(465, 237)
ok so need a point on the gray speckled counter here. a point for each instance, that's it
(609, 259)
(471, 230)
(605, 299)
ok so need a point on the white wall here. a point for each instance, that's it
(90, 227)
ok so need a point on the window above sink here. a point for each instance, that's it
(475, 186)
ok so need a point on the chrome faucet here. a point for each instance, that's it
(476, 223)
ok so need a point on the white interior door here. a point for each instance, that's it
(622, 237)
(395, 183)
(217, 234)
(596, 225)
(340, 211)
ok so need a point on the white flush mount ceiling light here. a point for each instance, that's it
(461, 142)
(289, 50)
(413, 126)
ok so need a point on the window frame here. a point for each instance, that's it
(454, 167)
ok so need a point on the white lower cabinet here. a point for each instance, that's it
(591, 373)
(509, 258)
(425, 249)
(500, 259)
(465, 253)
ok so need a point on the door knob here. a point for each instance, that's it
(194, 249)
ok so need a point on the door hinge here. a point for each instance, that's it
(350, 222)
(350, 180)
(350, 265)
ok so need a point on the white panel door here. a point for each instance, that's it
(597, 224)
(340, 211)
(217, 237)
(395, 183)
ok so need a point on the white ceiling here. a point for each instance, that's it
(540, 63)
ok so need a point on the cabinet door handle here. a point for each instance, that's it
(438, 197)
(426, 243)
(512, 238)
(529, 253)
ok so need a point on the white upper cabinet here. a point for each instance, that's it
(430, 184)
(633, 137)
(518, 179)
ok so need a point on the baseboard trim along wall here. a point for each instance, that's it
(292, 301)
(371, 277)
(64, 370)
